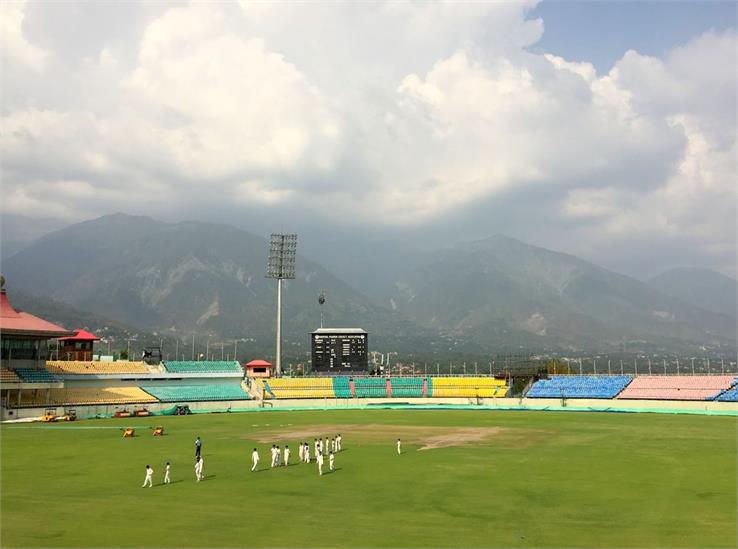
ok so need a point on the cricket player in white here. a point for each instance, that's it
(278, 456)
(301, 452)
(338, 442)
(333, 445)
(286, 456)
(307, 453)
(325, 447)
(274, 457)
(399, 451)
(317, 446)
(319, 457)
(149, 474)
(254, 459)
(167, 480)
(330, 461)
(198, 469)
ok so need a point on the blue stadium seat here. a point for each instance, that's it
(33, 375)
(579, 387)
(730, 395)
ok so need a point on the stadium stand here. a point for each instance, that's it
(729, 395)
(203, 367)
(34, 375)
(467, 387)
(8, 376)
(191, 393)
(300, 387)
(370, 387)
(579, 387)
(85, 397)
(91, 367)
(342, 387)
(408, 387)
(676, 387)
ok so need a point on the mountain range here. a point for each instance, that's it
(493, 295)
(701, 287)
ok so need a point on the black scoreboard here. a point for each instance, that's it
(337, 350)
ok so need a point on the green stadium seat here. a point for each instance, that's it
(191, 393)
(202, 367)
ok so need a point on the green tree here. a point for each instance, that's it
(557, 366)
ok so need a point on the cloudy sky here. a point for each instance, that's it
(606, 130)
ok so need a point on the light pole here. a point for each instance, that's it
(280, 266)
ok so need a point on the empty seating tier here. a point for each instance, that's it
(467, 387)
(676, 387)
(407, 387)
(36, 375)
(85, 397)
(579, 387)
(342, 387)
(78, 367)
(8, 376)
(370, 387)
(204, 367)
(300, 387)
(191, 393)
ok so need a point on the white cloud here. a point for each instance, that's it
(13, 43)
(408, 113)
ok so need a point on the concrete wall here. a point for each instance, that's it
(347, 403)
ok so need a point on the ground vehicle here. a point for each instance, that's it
(49, 416)
(71, 415)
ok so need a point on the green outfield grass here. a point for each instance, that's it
(509, 479)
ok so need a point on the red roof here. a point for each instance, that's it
(260, 363)
(14, 322)
(80, 335)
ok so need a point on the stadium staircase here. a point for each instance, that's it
(730, 394)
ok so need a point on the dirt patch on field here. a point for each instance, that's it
(427, 438)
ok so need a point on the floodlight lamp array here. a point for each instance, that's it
(282, 251)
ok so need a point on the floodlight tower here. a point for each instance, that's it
(281, 265)
(321, 302)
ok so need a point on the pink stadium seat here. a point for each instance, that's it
(676, 387)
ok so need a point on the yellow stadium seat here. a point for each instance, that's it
(95, 368)
(85, 397)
